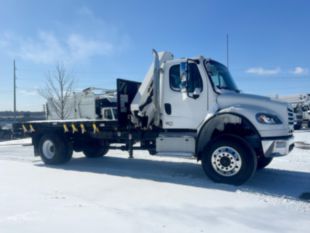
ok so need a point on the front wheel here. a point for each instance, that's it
(263, 162)
(229, 160)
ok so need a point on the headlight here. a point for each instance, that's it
(269, 119)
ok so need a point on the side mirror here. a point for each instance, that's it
(183, 76)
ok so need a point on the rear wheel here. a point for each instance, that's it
(95, 152)
(229, 160)
(152, 152)
(54, 149)
(263, 162)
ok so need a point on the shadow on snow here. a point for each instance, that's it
(273, 182)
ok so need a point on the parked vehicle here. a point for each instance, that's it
(301, 107)
(5, 132)
(87, 104)
(184, 107)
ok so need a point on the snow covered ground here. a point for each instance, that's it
(148, 194)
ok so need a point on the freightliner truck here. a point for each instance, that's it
(184, 107)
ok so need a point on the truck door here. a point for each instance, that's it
(184, 110)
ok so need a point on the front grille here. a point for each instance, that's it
(291, 116)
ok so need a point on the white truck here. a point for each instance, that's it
(184, 107)
(301, 107)
(87, 104)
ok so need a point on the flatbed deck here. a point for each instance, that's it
(68, 126)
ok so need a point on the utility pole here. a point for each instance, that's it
(227, 50)
(14, 90)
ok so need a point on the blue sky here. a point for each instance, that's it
(100, 41)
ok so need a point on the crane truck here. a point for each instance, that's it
(184, 107)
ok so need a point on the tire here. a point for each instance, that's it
(54, 149)
(229, 160)
(297, 126)
(152, 152)
(95, 152)
(263, 162)
(308, 124)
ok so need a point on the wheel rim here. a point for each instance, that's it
(226, 161)
(48, 148)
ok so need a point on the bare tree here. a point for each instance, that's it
(59, 87)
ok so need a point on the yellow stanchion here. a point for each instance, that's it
(83, 130)
(66, 130)
(74, 129)
(24, 128)
(95, 128)
(31, 128)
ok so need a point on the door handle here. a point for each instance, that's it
(168, 109)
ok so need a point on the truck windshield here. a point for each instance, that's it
(220, 76)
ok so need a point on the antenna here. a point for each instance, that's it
(227, 50)
(14, 90)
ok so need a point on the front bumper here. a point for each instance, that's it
(277, 146)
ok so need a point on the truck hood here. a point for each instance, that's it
(261, 103)
(249, 105)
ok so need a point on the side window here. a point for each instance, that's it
(194, 81)
(194, 78)
(174, 78)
